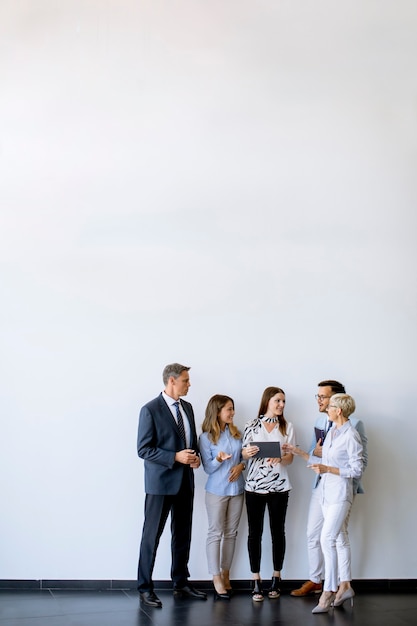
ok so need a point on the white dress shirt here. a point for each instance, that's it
(170, 402)
(342, 448)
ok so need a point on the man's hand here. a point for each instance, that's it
(196, 464)
(188, 457)
(318, 451)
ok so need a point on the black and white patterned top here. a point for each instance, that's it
(262, 477)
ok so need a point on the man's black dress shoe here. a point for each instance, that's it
(188, 591)
(150, 599)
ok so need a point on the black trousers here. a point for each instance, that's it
(277, 504)
(157, 509)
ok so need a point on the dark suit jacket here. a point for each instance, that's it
(158, 441)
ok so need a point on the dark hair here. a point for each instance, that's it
(211, 423)
(269, 393)
(334, 384)
(174, 370)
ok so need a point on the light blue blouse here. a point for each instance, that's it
(218, 479)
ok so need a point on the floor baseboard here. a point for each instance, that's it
(396, 585)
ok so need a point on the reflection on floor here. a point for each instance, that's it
(121, 608)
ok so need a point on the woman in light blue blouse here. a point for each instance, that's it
(221, 454)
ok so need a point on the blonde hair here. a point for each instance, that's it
(211, 421)
(344, 402)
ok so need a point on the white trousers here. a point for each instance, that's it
(314, 550)
(314, 526)
(223, 513)
(334, 519)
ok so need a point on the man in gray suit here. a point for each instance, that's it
(167, 441)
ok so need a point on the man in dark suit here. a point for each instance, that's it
(167, 441)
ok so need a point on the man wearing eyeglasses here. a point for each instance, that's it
(326, 389)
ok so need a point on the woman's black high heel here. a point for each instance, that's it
(220, 596)
(274, 591)
(257, 592)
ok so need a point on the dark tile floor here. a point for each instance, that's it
(121, 608)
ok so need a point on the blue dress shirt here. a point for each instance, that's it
(218, 479)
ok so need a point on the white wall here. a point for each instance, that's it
(226, 183)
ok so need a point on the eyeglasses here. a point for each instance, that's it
(322, 397)
(332, 406)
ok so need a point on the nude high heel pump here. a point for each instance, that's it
(346, 595)
(218, 584)
(326, 603)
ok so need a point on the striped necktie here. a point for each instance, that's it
(180, 422)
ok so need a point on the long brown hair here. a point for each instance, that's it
(211, 422)
(269, 393)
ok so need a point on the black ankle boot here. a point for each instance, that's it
(274, 591)
(257, 592)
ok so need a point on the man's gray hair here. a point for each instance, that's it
(175, 370)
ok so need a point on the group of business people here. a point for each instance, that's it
(168, 443)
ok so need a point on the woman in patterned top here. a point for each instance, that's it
(267, 485)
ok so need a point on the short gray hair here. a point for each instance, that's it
(173, 369)
(344, 402)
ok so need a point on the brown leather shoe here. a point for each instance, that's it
(307, 589)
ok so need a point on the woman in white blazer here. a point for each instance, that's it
(340, 464)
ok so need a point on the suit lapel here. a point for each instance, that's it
(186, 408)
(166, 413)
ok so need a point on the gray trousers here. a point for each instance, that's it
(223, 513)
